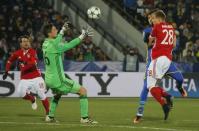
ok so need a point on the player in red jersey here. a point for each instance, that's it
(164, 39)
(31, 81)
(172, 72)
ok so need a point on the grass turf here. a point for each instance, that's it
(113, 114)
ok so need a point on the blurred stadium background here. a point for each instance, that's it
(102, 63)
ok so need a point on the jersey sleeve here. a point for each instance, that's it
(68, 45)
(10, 60)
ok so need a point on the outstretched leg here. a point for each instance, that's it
(32, 99)
(45, 103)
(163, 98)
(177, 75)
(84, 107)
(83, 103)
(157, 70)
(29, 97)
(53, 105)
(143, 99)
(41, 94)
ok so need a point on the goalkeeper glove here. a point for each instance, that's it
(86, 32)
(5, 75)
(64, 28)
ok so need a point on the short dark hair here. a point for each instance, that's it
(23, 36)
(160, 14)
(47, 29)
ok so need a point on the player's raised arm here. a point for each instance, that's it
(64, 28)
(69, 45)
(50, 31)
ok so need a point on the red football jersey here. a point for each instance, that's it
(27, 63)
(164, 34)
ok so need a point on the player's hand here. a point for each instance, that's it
(86, 32)
(65, 27)
(5, 75)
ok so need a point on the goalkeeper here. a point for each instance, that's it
(53, 47)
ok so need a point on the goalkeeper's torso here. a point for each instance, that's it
(54, 73)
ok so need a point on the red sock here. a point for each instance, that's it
(29, 97)
(164, 93)
(157, 93)
(46, 105)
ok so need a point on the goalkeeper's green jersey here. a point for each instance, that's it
(52, 50)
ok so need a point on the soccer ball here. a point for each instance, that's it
(94, 12)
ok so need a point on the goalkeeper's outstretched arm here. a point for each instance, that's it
(59, 37)
(69, 45)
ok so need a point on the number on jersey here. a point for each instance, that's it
(169, 37)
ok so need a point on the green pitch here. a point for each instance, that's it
(113, 114)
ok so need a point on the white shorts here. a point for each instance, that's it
(157, 70)
(35, 85)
